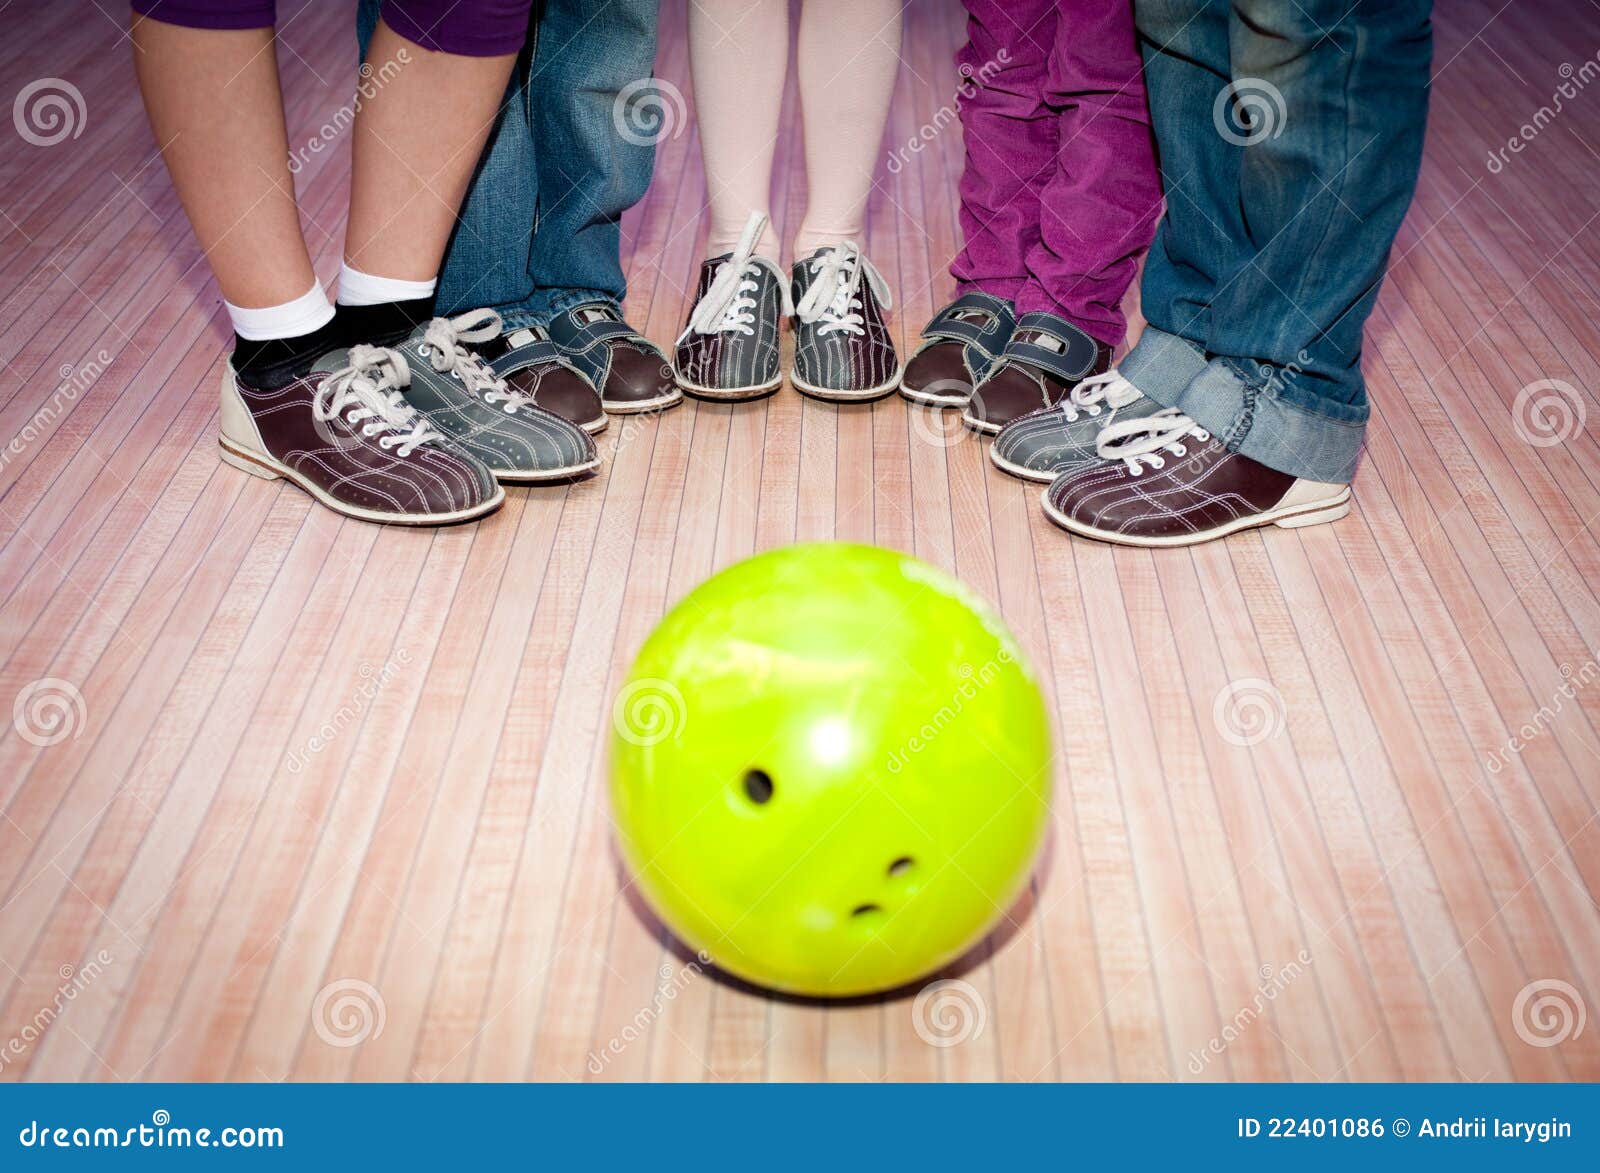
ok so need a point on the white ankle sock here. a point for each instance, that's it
(310, 311)
(358, 288)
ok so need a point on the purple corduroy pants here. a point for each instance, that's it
(1060, 194)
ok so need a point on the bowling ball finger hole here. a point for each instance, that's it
(901, 866)
(758, 786)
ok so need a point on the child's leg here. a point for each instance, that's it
(590, 57)
(212, 95)
(1098, 209)
(217, 115)
(416, 143)
(738, 54)
(849, 56)
(1010, 137)
(340, 431)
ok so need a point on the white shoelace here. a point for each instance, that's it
(836, 283)
(366, 395)
(444, 347)
(1147, 442)
(729, 305)
(1106, 392)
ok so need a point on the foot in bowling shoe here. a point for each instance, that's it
(463, 398)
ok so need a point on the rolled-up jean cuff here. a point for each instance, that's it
(460, 35)
(519, 318)
(1256, 421)
(1162, 365)
(567, 298)
(192, 15)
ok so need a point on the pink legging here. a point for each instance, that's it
(849, 54)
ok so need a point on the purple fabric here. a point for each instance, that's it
(467, 28)
(1060, 193)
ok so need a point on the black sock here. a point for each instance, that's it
(270, 363)
(388, 323)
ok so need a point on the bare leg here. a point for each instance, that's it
(416, 143)
(217, 114)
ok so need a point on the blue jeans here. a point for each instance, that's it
(1279, 220)
(540, 230)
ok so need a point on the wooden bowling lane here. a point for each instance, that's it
(326, 801)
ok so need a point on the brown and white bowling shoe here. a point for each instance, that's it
(1163, 480)
(346, 435)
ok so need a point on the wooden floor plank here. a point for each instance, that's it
(318, 764)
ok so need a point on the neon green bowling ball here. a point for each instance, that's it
(830, 769)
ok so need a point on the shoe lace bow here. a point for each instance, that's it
(834, 296)
(366, 394)
(445, 346)
(729, 303)
(1147, 442)
(1104, 392)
